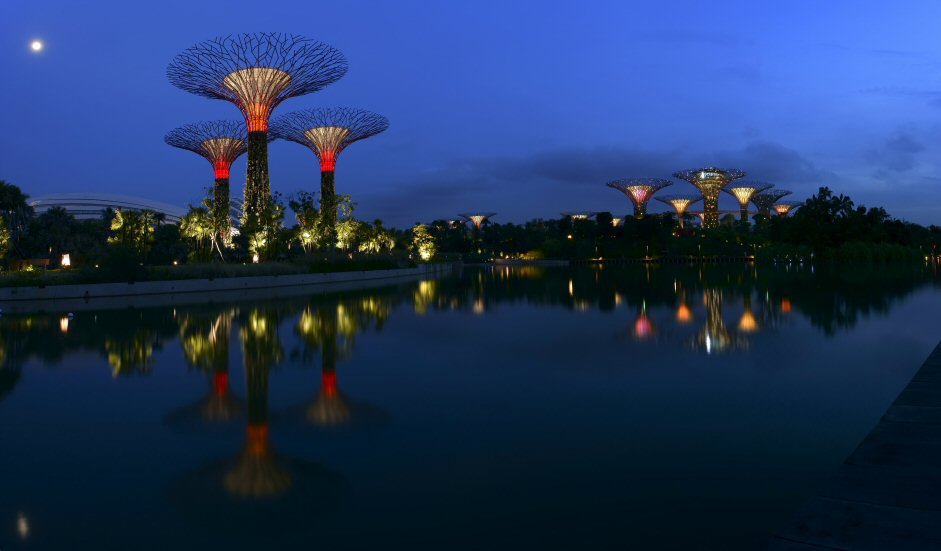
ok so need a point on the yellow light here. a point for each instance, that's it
(36, 45)
(64, 324)
(22, 526)
(255, 258)
(175, 263)
(66, 261)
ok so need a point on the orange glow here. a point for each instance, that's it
(785, 305)
(747, 323)
(329, 381)
(256, 116)
(64, 324)
(256, 437)
(684, 314)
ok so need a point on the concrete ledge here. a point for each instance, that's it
(56, 297)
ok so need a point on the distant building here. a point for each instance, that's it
(86, 206)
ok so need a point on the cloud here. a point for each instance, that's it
(543, 182)
(778, 164)
(897, 154)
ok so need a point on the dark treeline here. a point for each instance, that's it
(825, 227)
(126, 245)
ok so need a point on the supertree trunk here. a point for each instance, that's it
(257, 183)
(328, 206)
(710, 202)
(743, 217)
(640, 209)
(220, 207)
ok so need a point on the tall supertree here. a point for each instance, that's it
(327, 132)
(256, 72)
(743, 193)
(679, 203)
(220, 142)
(477, 218)
(783, 208)
(709, 181)
(766, 199)
(639, 191)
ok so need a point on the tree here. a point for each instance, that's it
(304, 205)
(375, 238)
(134, 229)
(262, 230)
(4, 238)
(423, 243)
(197, 225)
(17, 215)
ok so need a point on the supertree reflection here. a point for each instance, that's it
(205, 339)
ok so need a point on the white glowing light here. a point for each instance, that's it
(36, 45)
(22, 526)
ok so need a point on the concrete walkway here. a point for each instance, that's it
(887, 494)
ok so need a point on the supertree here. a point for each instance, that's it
(582, 215)
(743, 193)
(327, 132)
(783, 208)
(477, 218)
(679, 203)
(709, 181)
(639, 191)
(256, 72)
(220, 142)
(617, 220)
(766, 199)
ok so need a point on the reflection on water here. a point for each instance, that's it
(707, 310)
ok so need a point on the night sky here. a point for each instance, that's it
(521, 108)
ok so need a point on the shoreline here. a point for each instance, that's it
(153, 293)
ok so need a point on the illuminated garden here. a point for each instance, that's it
(554, 297)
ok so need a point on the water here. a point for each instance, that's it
(504, 408)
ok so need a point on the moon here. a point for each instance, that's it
(36, 45)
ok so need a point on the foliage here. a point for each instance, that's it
(304, 205)
(376, 239)
(134, 229)
(423, 242)
(262, 232)
(4, 238)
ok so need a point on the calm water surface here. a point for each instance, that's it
(503, 408)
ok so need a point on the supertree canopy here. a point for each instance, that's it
(783, 208)
(327, 132)
(639, 191)
(743, 192)
(679, 203)
(256, 72)
(581, 215)
(710, 181)
(766, 199)
(477, 218)
(220, 142)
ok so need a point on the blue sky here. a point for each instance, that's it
(521, 108)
